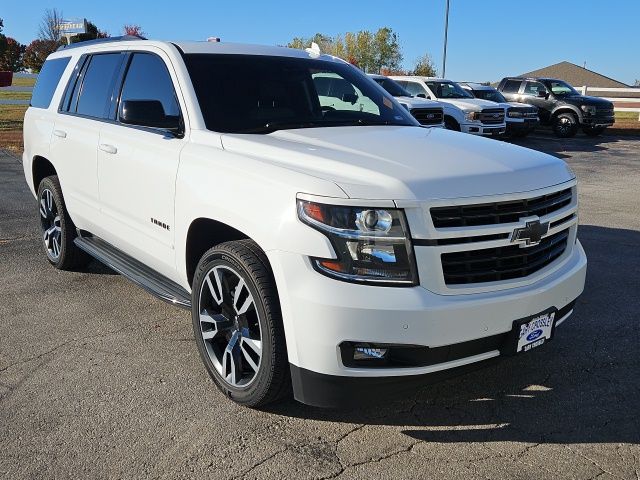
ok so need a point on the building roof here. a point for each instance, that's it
(575, 75)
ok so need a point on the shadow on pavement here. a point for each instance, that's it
(546, 141)
(582, 387)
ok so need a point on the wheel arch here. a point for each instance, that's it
(566, 109)
(41, 168)
(204, 233)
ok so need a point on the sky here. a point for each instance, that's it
(488, 39)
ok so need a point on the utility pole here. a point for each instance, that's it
(446, 31)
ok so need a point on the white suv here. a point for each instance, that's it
(340, 253)
(466, 113)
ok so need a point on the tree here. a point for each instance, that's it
(369, 51)
(92, 33)
(37, 52)
(3, 39)
(133, 30)
(424, 66)
(50, 25)
(11, 58)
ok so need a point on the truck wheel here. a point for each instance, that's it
(238, 325)
(57, 228)
(451, 124)
(593, 131)
(565, 125)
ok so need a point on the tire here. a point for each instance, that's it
(593, 131)
(56, 227)
(451, 124)
(565, 125)
(240, 335)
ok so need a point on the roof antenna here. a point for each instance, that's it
(314, 51)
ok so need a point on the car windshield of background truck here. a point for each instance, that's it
(262, 94)
(448, 90)
(560, 88)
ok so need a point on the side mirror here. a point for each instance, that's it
(350, 98)
(148, 113)
(543, 94)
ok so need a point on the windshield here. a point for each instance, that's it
(491, 95)
(262, 94)
(560, 88)
(393, 87)
(448, 90)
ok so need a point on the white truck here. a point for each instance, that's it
(466, 113)
(344, 255)
(428, 112)
(522, 119)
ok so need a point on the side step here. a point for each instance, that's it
(137, 272)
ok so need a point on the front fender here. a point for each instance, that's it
(254, 197)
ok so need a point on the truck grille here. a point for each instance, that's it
(502, 263)
(499, 212)
(492, 116)
(428, 116)
(604, 111)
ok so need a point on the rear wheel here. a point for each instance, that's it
(57, 228)
(593, 131)
(238, 325)
(565, 125)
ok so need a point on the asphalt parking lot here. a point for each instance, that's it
(100, 380)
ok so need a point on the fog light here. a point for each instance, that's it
(366, 353)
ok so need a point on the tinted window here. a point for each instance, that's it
(147, 78)
(511, 86)
(48, 81)
(97, 85)
(491, 95)
(393, 87)
(414, 88)
(532, 88)
(71, 91)
(260, 94)
(448, 90)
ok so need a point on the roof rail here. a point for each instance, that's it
(123, 38)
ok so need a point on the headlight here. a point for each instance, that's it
(588, 109)
(372, 245)
(515, 114)
(472, 116)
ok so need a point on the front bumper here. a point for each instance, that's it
(522, 126)
(598, 121)
(485, 130)
(320, 314)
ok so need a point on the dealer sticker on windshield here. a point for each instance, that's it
(535, 332)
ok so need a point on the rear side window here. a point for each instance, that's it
(48, 81)
(148, 79)
(511, 86)
(97, 86)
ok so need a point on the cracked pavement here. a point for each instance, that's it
(100, 380)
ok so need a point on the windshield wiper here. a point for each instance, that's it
(271, 127)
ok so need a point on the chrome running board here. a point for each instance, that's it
(143, 276)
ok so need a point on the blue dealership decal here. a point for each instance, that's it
(533, 335)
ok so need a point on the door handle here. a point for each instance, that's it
(60, 133)
(108, 148)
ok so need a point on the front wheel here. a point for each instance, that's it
(238, 325)
(451, 124)
(593, 131)
(565, 125)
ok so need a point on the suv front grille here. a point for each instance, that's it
(428, 116)
(499, 212)
(492, 116)
(502, 263)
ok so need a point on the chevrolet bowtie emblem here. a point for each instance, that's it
(531, 234)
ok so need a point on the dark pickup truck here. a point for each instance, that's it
(560, 105)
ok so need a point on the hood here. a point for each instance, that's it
(404, 163)
(586, 100)
(519, 105)
(417, 102)
(469, 104)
